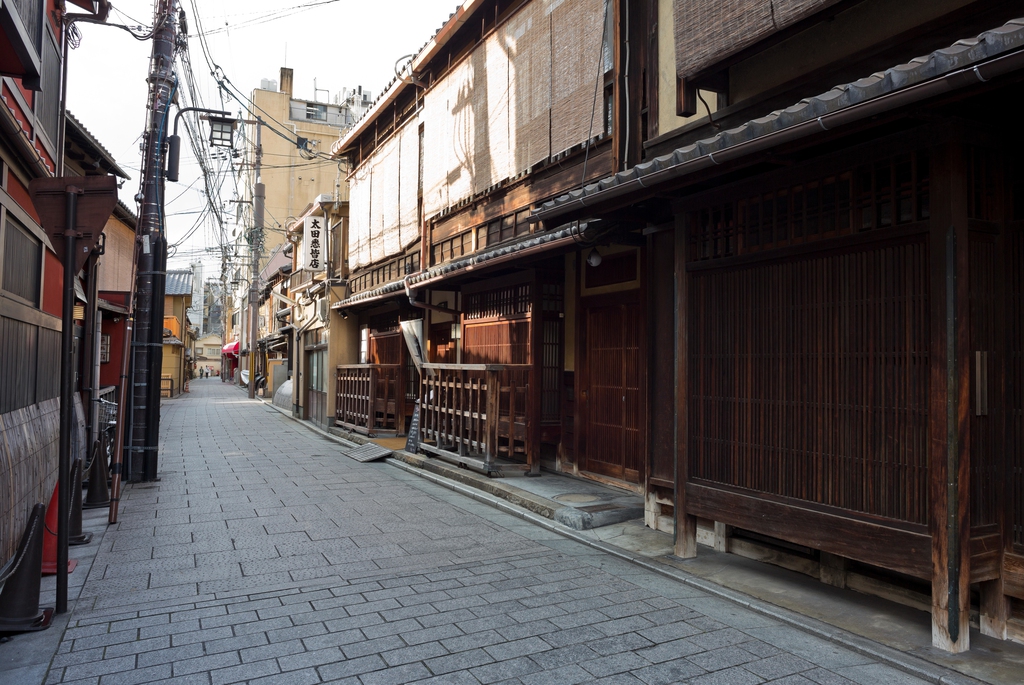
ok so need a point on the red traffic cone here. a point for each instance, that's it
(50, 540)
(19, 600)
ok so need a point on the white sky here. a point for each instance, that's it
(339, 43)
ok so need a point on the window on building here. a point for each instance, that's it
(23, 263)
(315, 111)
(104, 349)
(364, 344)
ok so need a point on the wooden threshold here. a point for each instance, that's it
(892, 548)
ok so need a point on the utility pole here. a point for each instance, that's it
(256, 246)
(150, 280)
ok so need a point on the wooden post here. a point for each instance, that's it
(491, 424)
(686, 524)
(948, 425)
(722, 534)
(832, 570)
(372, 392)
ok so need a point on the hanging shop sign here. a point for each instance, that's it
(313, 241)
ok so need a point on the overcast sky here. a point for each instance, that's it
(337, 43)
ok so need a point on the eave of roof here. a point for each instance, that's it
(397, 86)
(82, 135)
(538, 242)
(966, 62)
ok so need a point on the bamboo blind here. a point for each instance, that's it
(492, 110)
(435, 121)
(576, 66)
(359, 217)
(527, 37)
(707, 31)
(809, 379)
(28, 466)
(408, 183)
(384, 202)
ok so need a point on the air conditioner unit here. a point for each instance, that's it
(324, 198)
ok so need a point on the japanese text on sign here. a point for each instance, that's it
(312, 244)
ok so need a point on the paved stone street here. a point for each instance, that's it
(263, 556)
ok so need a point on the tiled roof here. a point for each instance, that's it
(481, 258)
(178, 282)
(818, 113)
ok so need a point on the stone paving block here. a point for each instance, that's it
(83, 657)
(503, 670)
(553, 658)
(614, 664)
(722, 658)
(666, 651)
(778, 666)
(415, 637)
(105, 639)
(518, 631)
(170, 654)
(205, 663)
(235, 643)
(244, 672)
(669, 672)
(377, 646)
(407, 655)
(729, 676)
(138, 646)
(823, 676)
(351, 667)
(516, 648)
(306, 676)
(562, 675)
(99, 667)
(139, 675)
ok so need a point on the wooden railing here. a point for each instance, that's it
(370, 397)
(481, 409)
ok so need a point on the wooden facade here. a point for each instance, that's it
(817, 346)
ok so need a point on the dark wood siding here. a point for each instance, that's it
(1015, 380)
(661, 368)
(809, 379)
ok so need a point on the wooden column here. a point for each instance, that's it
(685, 524)
(948, 425)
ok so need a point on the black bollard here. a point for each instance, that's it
(75, 534)
(19, 600)
(99, 492)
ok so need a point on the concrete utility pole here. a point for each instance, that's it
(256, 245)
(151, 277)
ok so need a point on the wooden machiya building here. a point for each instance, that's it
(843, 277)
(627, 255)
(534, 337)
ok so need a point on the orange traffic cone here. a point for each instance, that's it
(50, 539)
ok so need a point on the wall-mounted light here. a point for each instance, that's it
(594, 258)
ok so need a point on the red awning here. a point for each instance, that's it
(231, 349)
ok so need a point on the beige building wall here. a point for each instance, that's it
(291, 180)
(115, 265)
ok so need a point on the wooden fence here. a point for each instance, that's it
(482, 409)
(370, 397)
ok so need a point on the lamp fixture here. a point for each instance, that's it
(594, 258)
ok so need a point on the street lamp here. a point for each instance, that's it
(222, 130)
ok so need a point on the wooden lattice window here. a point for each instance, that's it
(508, 301)
(875, 196)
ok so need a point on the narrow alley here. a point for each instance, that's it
(263, 556)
